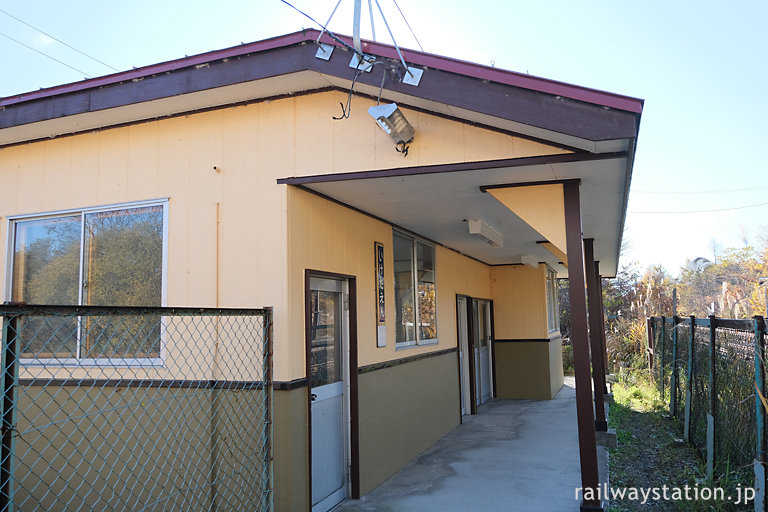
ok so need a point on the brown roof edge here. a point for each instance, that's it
(164, 67)
(453, 167)
(447, 64)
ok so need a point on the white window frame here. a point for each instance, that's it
(147, 362)
(415, 287)
(553, 315)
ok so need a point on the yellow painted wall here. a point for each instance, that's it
(253, 146)
(238, 239)
(524, 369)
(555, 365)
(328, 237)
(540, 206)
(174, 159)
(519, 302)
(355, 144)
(458, 275)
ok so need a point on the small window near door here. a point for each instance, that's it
(552, 313)
(415, 291)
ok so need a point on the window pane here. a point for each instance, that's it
(123, 257)
(405, 319)
(122, 266)
(46, 264)
(552, 301)
(325, 338)
(425, 271)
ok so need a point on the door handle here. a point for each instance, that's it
(312, 397)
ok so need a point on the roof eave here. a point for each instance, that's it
(451, 65)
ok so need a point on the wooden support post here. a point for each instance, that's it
(602, 324)
(595, 339)
(576, 286)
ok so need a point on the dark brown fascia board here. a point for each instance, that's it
(472, 69)
(535, 108)
(454, 167)
(485, 188)
(219, 73)
(516, 104)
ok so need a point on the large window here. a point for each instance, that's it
(415, 310)
(96, 257)
(553, 316)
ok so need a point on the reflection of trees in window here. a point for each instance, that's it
(405, 319)
(46, 261)
(325, 337)
(124, 257)
(102, 258)
(122, 263)
(427, 323)
(414, 269)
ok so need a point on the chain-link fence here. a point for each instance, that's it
(109, 408)
(663, 343)
(699, 389)
(735, 398)
(681, 335)
(712, 393)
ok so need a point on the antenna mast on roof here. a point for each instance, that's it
(356, 28)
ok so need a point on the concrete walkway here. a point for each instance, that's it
(514, 455)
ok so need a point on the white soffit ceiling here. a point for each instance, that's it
(437, 206)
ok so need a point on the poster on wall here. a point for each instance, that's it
(381, 334)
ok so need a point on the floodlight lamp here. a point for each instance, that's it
(393, 122)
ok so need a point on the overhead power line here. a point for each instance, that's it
(706, 211)
(45, 54)
(325, 29)
(58, 40)
(676, 192)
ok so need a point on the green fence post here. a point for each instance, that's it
(663, 341)
(649, 332)
(711, 432)
(9, 394)
(759, 414)
(267, 362)
(673, 377)
(689, 383)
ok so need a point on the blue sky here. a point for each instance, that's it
(700, 66)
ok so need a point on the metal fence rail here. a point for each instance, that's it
(709, 370)
(110, 408)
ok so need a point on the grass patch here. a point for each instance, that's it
(567, 359)
(651, 455)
